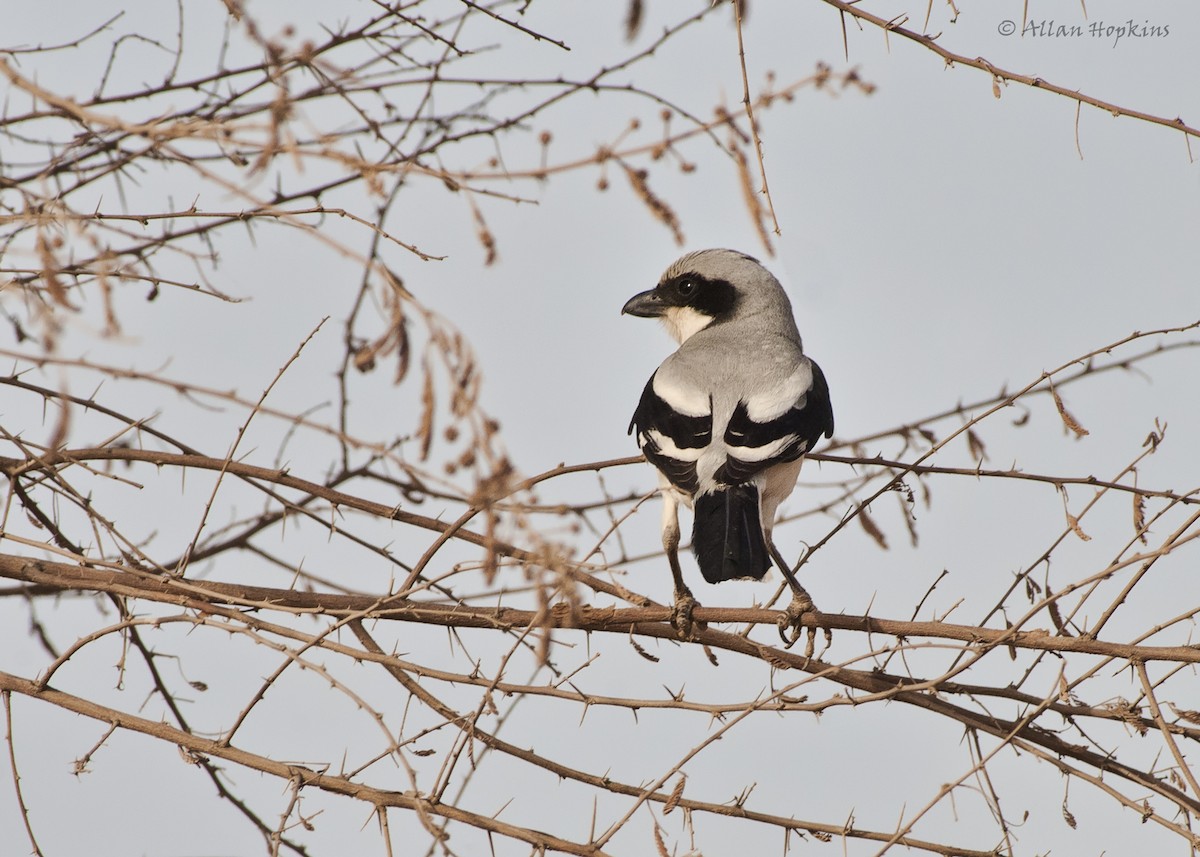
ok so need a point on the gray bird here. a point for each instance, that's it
(728, 418)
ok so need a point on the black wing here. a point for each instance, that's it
(793, 433)
(685, 432)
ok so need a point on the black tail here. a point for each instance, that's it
(727, 535)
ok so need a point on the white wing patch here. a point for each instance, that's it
(667, 447)
(777, 401)
(762, 453)
(689, 401)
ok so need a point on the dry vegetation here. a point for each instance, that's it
(201, 565)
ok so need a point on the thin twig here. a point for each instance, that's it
(12, 761)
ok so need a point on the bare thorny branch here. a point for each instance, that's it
(299, 543)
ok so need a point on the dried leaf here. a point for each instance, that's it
(751, 197)
(638, 648)
(1055, 615)
(633, 20)
(910, 520)
(1067, 817)
(364, 358)
(901, 487)
(676, 794)
(661, 211)
(976, 447)
(394, 338)
(872, 529)
(50, 270)
(425, 427)
(485, 236)
(402, 349)
(1139, 517)
(658, 841)
(1068, 419)
(1186, 714)
(773, 658)
(491, 564)
(398, 327)
(996, 86)
(1073, 523)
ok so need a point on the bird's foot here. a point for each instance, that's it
(681, 615)
(791, 623)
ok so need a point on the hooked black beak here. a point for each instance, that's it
(645, 305)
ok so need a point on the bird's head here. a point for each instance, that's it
(708, 287)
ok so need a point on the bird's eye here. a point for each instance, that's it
(686, 288)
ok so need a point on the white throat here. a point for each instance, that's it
(682, 322)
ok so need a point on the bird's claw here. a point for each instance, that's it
(681, 615)
(792, 621)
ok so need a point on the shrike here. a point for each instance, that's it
(728, 417)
